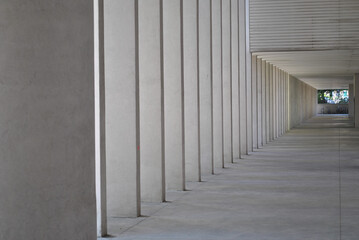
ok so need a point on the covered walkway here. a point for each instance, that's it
(304, 185)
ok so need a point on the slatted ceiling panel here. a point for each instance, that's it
(301, 63)
(317, 41)
(329, 82)
(277, 25)
(320, 69)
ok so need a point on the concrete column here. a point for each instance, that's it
(306, 100)
(268, 102)
(122, 116)
(218, 154)
(254, 109)
(259, 103)
(100, 119)
(288, 101)
(151, 101)
(47, 150)
(173, 95)
(315, 101)
(191, 90)
(301, 105)
(356, 101)
(242, 76)
(351, 100)
(285, 106)
(264, 102)
(205, 78)
(227, 81)
(235, 79)
(283, 102)
(275, 102)
(248, 82)
(271, 103)
(280, 102)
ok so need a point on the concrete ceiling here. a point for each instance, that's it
(327, 69)
(315, 40)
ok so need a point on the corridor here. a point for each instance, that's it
(304, 185)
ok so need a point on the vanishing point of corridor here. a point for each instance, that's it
(304, 185)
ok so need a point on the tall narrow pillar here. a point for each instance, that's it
(121, 109)
(259, 102)
(268, 105)
(275, 102)
(283, 102)
(254, 108)
(264, 102)
(271, 102)
(47, 144)
(280, 101)
(248, 81)
(191, 90)
(356, 99)
(205, 83)
(351, 100)
(235, 79)
(100, 119)
(151, 101)
(288, 97)
(173, 94)
(216, 21)
(227, 81)
(242, 76)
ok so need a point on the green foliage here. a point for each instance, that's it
(337, 96)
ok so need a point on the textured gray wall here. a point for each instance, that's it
(302, 101)
(47, 173)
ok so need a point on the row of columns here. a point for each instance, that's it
(271, 101)
(168, 90)
(177, 95)
(168, 97)
(182, 96)
(302, 101)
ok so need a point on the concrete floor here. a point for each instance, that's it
(304, 185)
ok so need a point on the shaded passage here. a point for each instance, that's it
(290, 189)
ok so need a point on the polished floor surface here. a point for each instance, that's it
(302, 186)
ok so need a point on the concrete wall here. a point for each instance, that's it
(279, 102)
(302, 101)
(47, 156)
(351, 101)
(332, 108)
